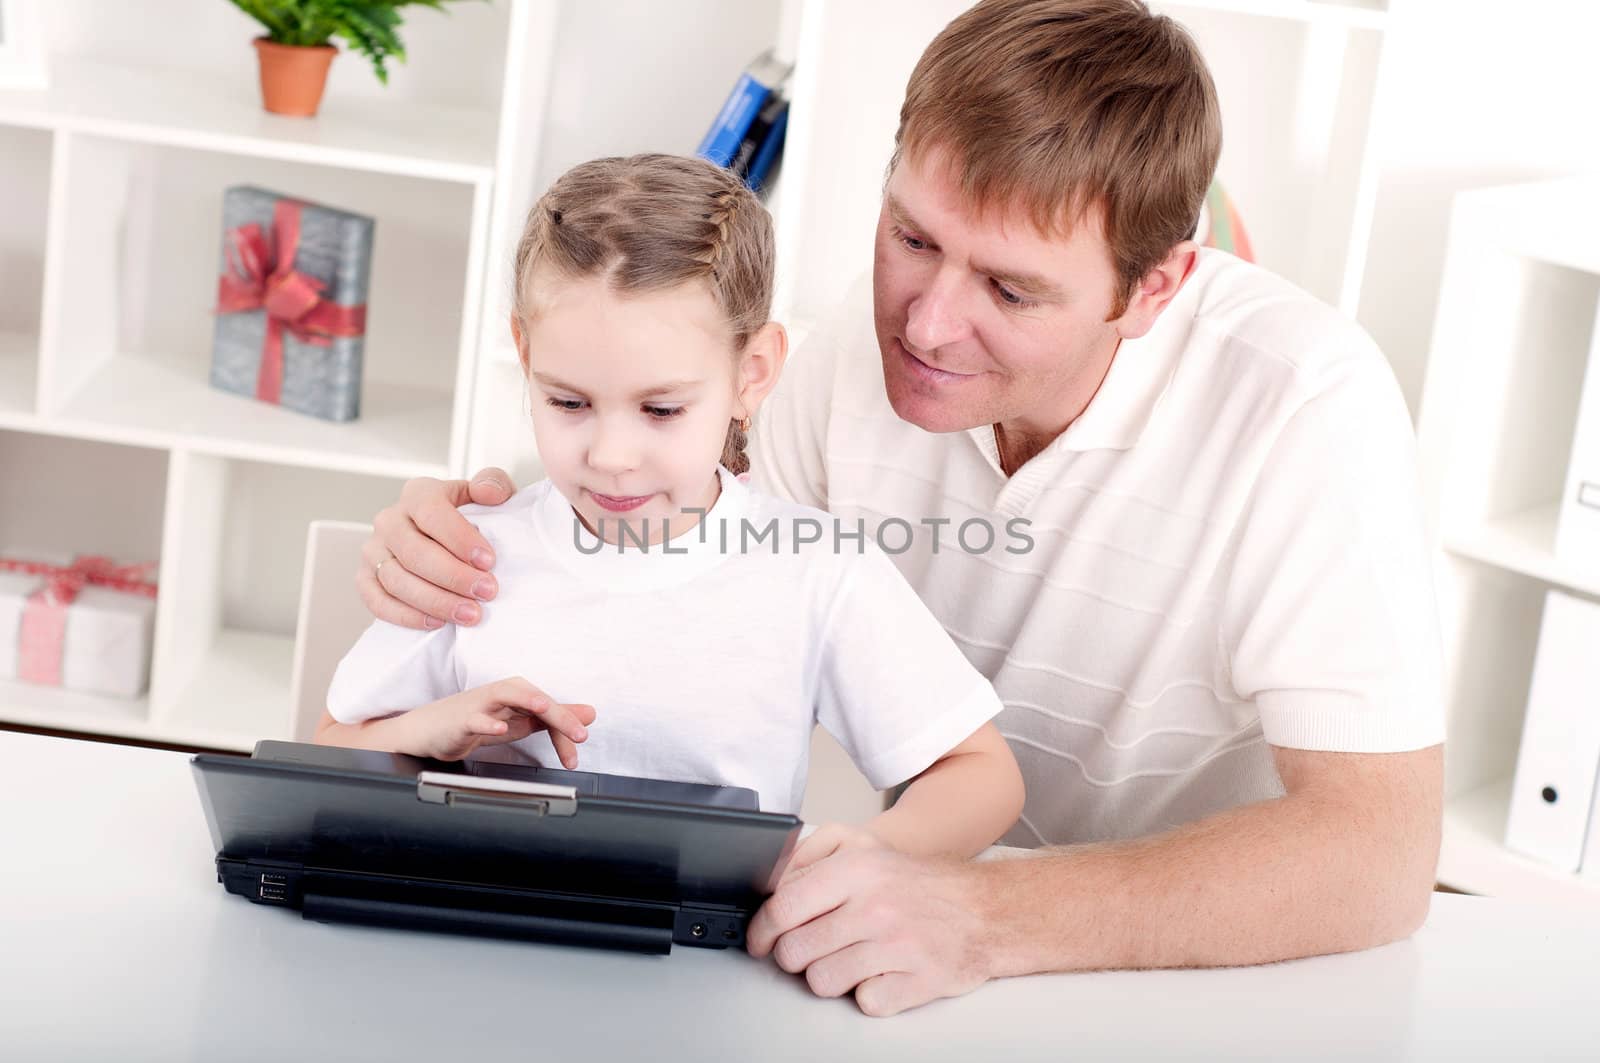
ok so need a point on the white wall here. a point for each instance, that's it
(1482, 93)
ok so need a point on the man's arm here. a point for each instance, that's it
(956, 807)
(1345, 860)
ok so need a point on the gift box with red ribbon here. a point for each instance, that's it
(84, 623)
(292, 303)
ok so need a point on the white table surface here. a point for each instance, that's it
(116, 942)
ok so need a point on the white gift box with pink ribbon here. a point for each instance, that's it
(82, 623)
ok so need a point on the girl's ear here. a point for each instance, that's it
(764, 355)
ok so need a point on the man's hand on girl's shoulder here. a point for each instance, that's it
(425, 565)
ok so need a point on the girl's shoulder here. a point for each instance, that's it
(792, 524)
(512, 520)
(813, 539)
(760, 505)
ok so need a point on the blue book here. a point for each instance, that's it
(755, 85)
(770, 151)
(756, 135)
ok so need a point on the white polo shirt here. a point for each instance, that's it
(1228, 551)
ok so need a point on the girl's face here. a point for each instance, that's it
(632, 396)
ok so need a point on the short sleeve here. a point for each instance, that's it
(393, 669)
(892, 687)
(1329, 621)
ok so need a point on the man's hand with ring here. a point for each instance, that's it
(442, 564)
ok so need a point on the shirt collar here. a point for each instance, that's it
(1140, 373)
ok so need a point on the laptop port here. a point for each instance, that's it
(273, 880)
(698, 930)
(273, 893)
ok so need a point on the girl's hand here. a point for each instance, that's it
(494, 714)
(824, 842)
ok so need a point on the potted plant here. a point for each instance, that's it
(295, 52)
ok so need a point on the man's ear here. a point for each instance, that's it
(762, 364)
(1157, 289)
(516, 338)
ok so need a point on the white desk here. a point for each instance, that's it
(116, 942)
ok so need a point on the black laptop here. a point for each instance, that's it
(540, 854)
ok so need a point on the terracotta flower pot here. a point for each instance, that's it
(293, 76)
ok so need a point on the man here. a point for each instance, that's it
(1219, 658)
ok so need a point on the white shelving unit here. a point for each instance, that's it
(1511, 345)
(107, 414)
(111, 439)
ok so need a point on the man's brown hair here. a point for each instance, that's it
(1060, 107)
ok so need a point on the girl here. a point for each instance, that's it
(712, 627)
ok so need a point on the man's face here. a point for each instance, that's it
(985, 320)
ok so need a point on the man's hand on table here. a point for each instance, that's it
(899, 931)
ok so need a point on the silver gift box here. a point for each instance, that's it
(335, 247)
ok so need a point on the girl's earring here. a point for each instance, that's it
(744, 424)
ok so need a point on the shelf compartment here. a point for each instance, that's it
(143, 246)
(1511, 344)
(226, 621)
(1501, 410)
(1474, 858)
(237, 694)
(19, 376)
(1490, 620)
(188, 109)
(67, 497)
(30, 705)
(76, 496)
(1524, 542)
(25, 191)
(401, 432)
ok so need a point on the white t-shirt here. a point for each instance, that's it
(1228, 551)
(710, 663)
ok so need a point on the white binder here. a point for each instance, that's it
(1578, 530)
(1556, 766)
